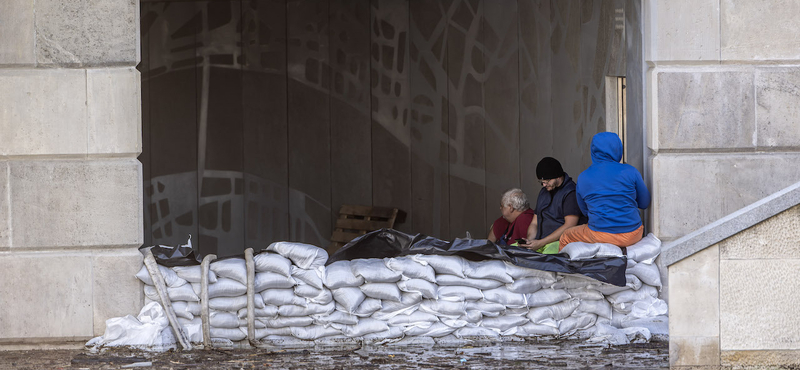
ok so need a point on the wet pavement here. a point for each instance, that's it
(532, 354)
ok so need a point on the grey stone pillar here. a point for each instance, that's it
(70, 183)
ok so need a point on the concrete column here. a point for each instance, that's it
(70, 183)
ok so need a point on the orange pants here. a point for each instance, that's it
(582, 233)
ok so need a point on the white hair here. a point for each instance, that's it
(516, 199)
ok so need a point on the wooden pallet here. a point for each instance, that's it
(355, 221)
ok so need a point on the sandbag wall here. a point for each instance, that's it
(419, 296)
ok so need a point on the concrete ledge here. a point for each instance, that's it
(731, 224)
(760, 359)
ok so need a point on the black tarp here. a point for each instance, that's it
(392, 243)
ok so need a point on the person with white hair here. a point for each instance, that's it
(516, 216)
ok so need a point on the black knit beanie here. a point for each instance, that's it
(549, 168)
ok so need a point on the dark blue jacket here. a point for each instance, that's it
(550, 208)
(610, 193)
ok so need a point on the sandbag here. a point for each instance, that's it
(475, 332)
(588, 293)
(307, 291)
(580, 251)
(601, 308)
(440, 308)
(280, 297)
(489, 269)
(192, 274)
(305, 256)
(368, 307)
(382, 291)
(504, 323)
(183, 309)
(519, 272)
(647, 273)
(230, 334)
(272, 262)
(271, 280)
(525, 285)
(336, 316)
(365, 326)
(482, 284)
(436, 330)
(311, 277)
(574, 323)
(556, 312)
(170, 277)
(233, 304)
(180, 293)
(412, 269)
(348, 297)
(374, 270)
(532, 329)
(287, 322)
(313, 332)
(425, 288)
(459, 293)
(224, 287)
(310, 309)
(450, 265)
(645, 250)
(415, 318)
(503, 296)
(269, 311)
(339, 274)
(222, 319)
(486, 307)
(231, 268)
(408, 303)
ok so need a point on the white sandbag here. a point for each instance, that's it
(348, 297)
(450, 265)
(573, 282)
(181, 309)
(224, 287)
(144, 330)
(637, 334)
(459, 293)
(310, 309)
(457, 322)
(415, 318)
(231, 268)
(287, 341)
(192, 273)
(580, 251)
(503, 323)
(233, 304)
(605, 333)
(392, 333)
(525, 285)
(305, 256)
(272, 280)
(261, 333)
(627, 296)
(645, 250)
(588, 293)
(192, 328)
(256, 324)
(339, 274)
(272, 262)
(631, 282)
(557, 312)
(324, 297)
(472, 316)
(337, 317)
(648, 307)
(268, 311)
(503, 296)
(313, 332)
(408, 303)
(223, 319)
(368, 307)
(374, 270)
(307, 291)
(475, 332)
(546, 297)
(180, 293)
(656, 325)
(482, 284)
(425, 288)
(574, 323)
(486, 307)
(516, 311)
(230, 334)
(284, 322)
(365, 326)
(647, 273)
(382, 291)
(518, 272)
(443, 307)
(311, 277)
(532, 329)
(280, 297)
(412, 269)
(489, 269)
(170, 277)
(436, 330)
(601, 308)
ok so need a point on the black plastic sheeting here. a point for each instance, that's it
(180, 255)
(392, 243)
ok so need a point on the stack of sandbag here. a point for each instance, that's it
(419, 296)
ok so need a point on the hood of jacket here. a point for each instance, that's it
(606, 147)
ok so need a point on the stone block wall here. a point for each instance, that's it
(70, 183)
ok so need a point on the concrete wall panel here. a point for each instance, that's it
(758, 304)
(76, 203)
(116, 292)
(16, 26)
(696, 189)
(757, 31)
(776, 237)
(87, 32)
(706, 110)
(114, 111)
(5, 207)
(684, 30)
(778, 106)
(45, 112)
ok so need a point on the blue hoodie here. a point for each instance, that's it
(609, 192)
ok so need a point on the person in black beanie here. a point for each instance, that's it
(556, 207)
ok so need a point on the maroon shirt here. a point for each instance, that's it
(510, 232)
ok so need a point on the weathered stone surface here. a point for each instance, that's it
(694, 295)
(5, 220)
(76, 203)
(683, 30)
(16, 28)
(777, 237)
(115, 115)
(760, 359)
(87, 32)
(46, 295)
(693, 352)
(115, 290)
(778, 106)
(753, 31)
(698, 110)
(758, 304)
(44, 111)
(696, 189)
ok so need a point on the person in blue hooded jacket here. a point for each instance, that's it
(610, 193)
